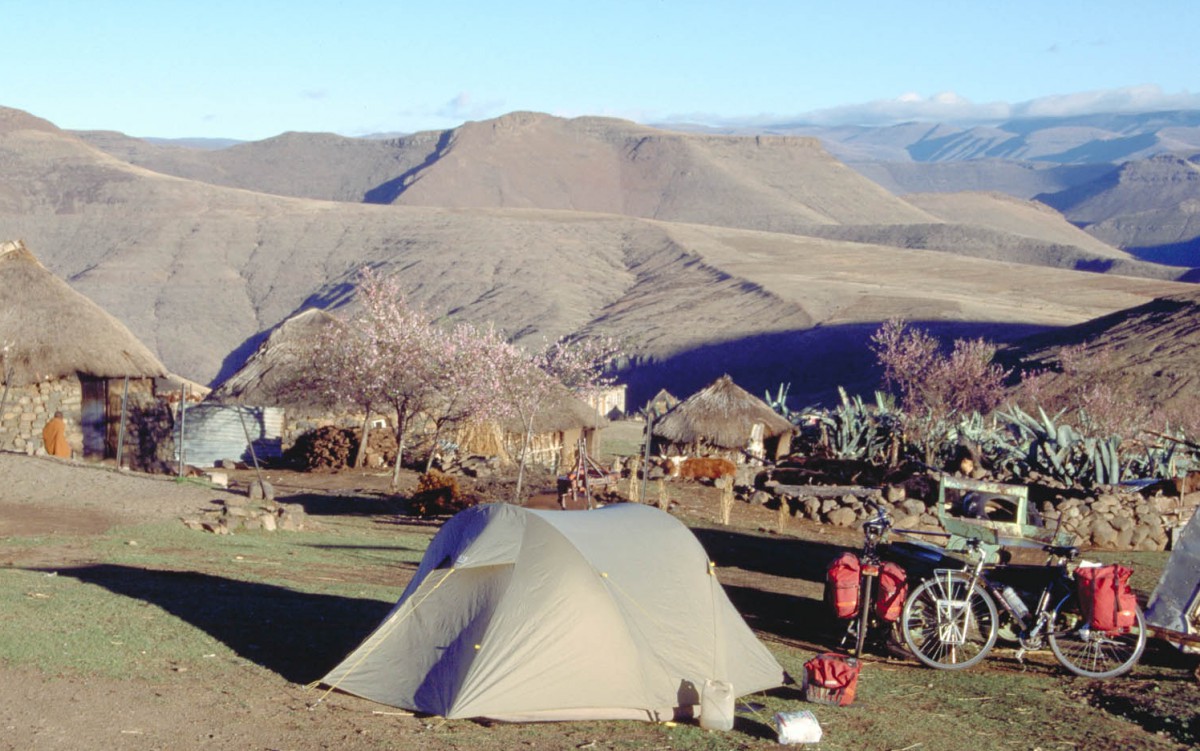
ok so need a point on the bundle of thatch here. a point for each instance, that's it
(52, 331)
(721, 416)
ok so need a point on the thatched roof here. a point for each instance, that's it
(662, 402)
(53, 331)
(561, 412)
(268, 377)
(722, 415)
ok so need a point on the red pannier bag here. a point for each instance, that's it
(1105, 597)
(841, 585)
(831, 679)
(893, 590)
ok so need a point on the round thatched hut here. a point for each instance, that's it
(274, 395)
(59, 351)
(271, 376)
(726, 420)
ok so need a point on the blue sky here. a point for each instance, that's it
(253, 69)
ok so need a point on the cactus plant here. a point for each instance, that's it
(858, 431)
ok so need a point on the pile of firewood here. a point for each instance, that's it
(331, 448)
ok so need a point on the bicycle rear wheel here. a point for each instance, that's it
(1094, 654)
(949, 623)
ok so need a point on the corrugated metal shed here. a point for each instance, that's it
(215, 431)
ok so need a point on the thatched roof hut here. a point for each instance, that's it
(60, 352)
(52, 331)
(269, 377)
(662, 402)
(558, 427)
(723, 417)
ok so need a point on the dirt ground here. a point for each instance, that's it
(257, 708)
(66, 502)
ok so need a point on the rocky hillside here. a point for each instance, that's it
(530, 160)
(200, 271)
(1156, 344)
(1150, 206)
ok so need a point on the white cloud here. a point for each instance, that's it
(464, 107)
(949, 106)
(1129, 99)
(941, 107)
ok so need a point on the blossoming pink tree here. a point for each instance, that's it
(466, 378)
(392, 353)
(529, 381)
(384, 355)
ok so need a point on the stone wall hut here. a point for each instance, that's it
(724, 419)
(62, 352)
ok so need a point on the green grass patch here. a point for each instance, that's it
(61, 624)
(168, 598)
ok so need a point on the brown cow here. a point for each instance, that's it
(703, 468)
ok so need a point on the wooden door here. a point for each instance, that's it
(93, 419)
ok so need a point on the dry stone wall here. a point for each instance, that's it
(28, 408)
(1109, 521)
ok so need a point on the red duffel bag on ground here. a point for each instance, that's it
(831, 679)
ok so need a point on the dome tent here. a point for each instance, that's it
(525, 615)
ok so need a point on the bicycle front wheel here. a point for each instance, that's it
(948, 622)
(1090, 653)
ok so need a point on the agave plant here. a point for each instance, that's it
(1174, 457)
(779, 401)
(856, 430)
(1057, 449)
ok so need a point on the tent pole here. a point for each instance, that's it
(121, 434)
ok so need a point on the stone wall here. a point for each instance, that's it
(149, 423)
(28, 408)
(1108, 521)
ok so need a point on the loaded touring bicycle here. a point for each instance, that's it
(970, 593)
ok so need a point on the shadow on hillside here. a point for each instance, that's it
(388, 192)
(1185, 254)
(814, 361)
(298, 635)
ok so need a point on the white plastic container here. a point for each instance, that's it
(716, 706)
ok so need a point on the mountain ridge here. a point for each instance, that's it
(200, 271)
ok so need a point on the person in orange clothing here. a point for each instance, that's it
(54, 435)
